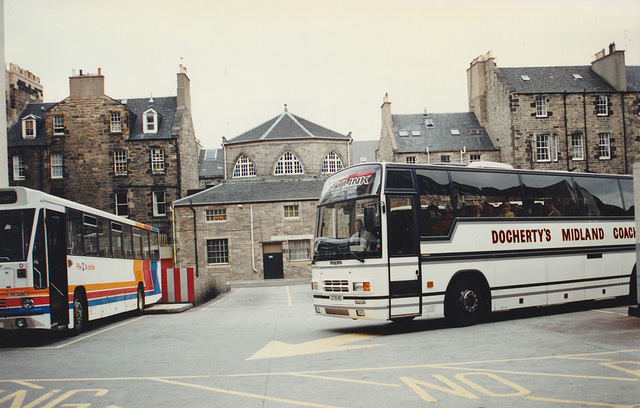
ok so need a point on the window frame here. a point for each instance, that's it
(57, 165)
(244, 167)
(124, 204)
(332, 163)
(299, 250)
(18, 168)
(58, 124)
(215, 215)
(410, 159)
(217, 251)
(577, 145)
(29, 127)
(542, 150)
(115, 122)
(288, 165)
(120, 162)
(542, 108)
(291, 211)
(602, 105)
(157, 161)
(159, 206)
(154, 122)
(604, 146)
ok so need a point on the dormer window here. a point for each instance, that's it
(29, 127)
(455, 132)
(403, 133)
(428, 122)
(150, 121)
(525, 78)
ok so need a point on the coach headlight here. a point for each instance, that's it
(27, 303)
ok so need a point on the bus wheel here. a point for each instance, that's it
(140, 308)
(80, 313)
(466, 302)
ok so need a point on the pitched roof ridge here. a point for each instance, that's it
(264, 136)
(297, 122)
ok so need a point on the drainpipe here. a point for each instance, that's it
(173, 234)
(253, 258)
(586, 145)
(428, 155)
(195, 235)
(462, 152)
(624, 133)
(566, 129)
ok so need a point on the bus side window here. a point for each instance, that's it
(90, 235)
(103, 238)
(155, 246)
(137, 243)
(39, 255)
(74, 232)
(435, 202)
(127, 241)
(599, 196)
(145, 245)
(116, 240)
(551, 195)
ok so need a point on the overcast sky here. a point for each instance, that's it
(330, 61)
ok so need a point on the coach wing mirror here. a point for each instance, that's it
(382, 206)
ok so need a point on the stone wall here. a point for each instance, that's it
(245, 259)
(265, 155)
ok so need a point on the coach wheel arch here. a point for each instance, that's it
(468, 298)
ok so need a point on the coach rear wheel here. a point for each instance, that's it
(466, 302)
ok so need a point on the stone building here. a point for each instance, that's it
(22, 87)
(131, 157)
(258, 223)
(433, 137)
(583, 118)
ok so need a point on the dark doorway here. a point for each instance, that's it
(272, 259)
(57, 263)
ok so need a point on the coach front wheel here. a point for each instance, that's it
(466, 302)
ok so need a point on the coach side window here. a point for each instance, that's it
(626, 186)
(548, 195)
(435, 216)
(155, 246)
(103, 238)
(486, 194)
(599, 196)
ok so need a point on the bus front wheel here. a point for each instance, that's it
(80, 313)
(466, 302)
(141, 305)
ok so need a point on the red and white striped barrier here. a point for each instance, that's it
(177, 286)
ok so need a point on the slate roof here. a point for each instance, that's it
(14, 134)
(633, 79)
(554, 80)
(165, 107)
(364, 148)
(211, 163)
(287, 127)
(439, 138)
(256, 191)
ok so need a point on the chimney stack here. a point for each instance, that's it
(86, 86)
(184, 89)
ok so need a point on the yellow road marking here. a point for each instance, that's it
(245, 394)
(321, 377)
(597, 404)
(289, 296)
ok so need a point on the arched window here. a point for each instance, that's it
(331, 163)
(244, 168)
(288, 164)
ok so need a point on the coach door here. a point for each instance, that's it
(57, 264)
(405, 284)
